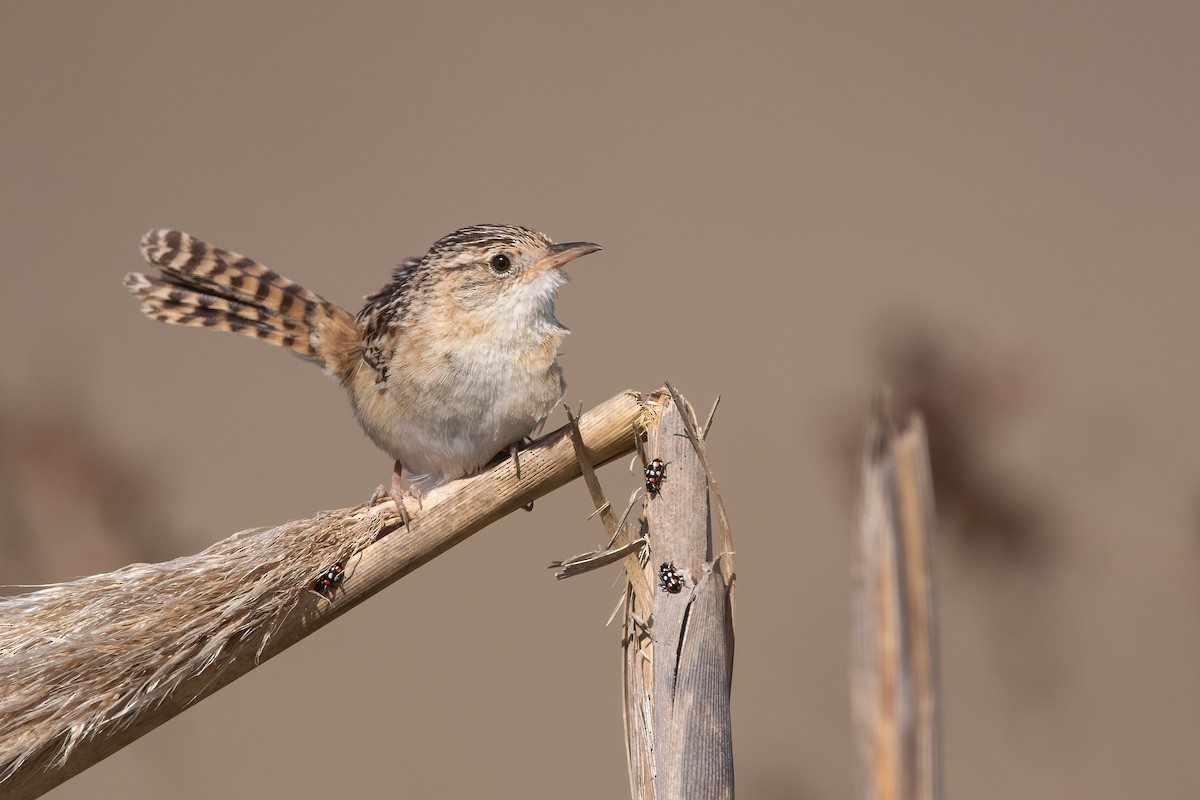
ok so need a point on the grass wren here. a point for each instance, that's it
(452, 362)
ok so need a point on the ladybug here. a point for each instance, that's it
(669, 579)
(654, 476)
(329, 579)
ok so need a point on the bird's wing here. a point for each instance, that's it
(379, 318)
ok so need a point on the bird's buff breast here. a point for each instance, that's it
(447, 408)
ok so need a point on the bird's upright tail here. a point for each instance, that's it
(205, 286)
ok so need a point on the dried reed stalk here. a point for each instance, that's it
(894, 679)
(91, 665)
(678, 659)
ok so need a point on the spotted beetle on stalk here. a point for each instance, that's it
(669, 578)
(329, 579)
(654, 476)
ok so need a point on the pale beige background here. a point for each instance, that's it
(774, 186)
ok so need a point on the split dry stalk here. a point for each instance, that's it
(90, 666)
(894, 675)
(678, 659)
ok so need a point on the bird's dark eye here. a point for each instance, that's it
(501, 262)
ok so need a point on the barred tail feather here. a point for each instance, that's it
(205, 286)
(168, 302)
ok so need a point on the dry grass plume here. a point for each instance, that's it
(90, 655)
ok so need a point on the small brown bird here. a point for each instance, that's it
(452, 362)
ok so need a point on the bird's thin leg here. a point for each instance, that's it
(514, 450)
(399, 493)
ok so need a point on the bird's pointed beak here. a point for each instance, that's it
(559, 254)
